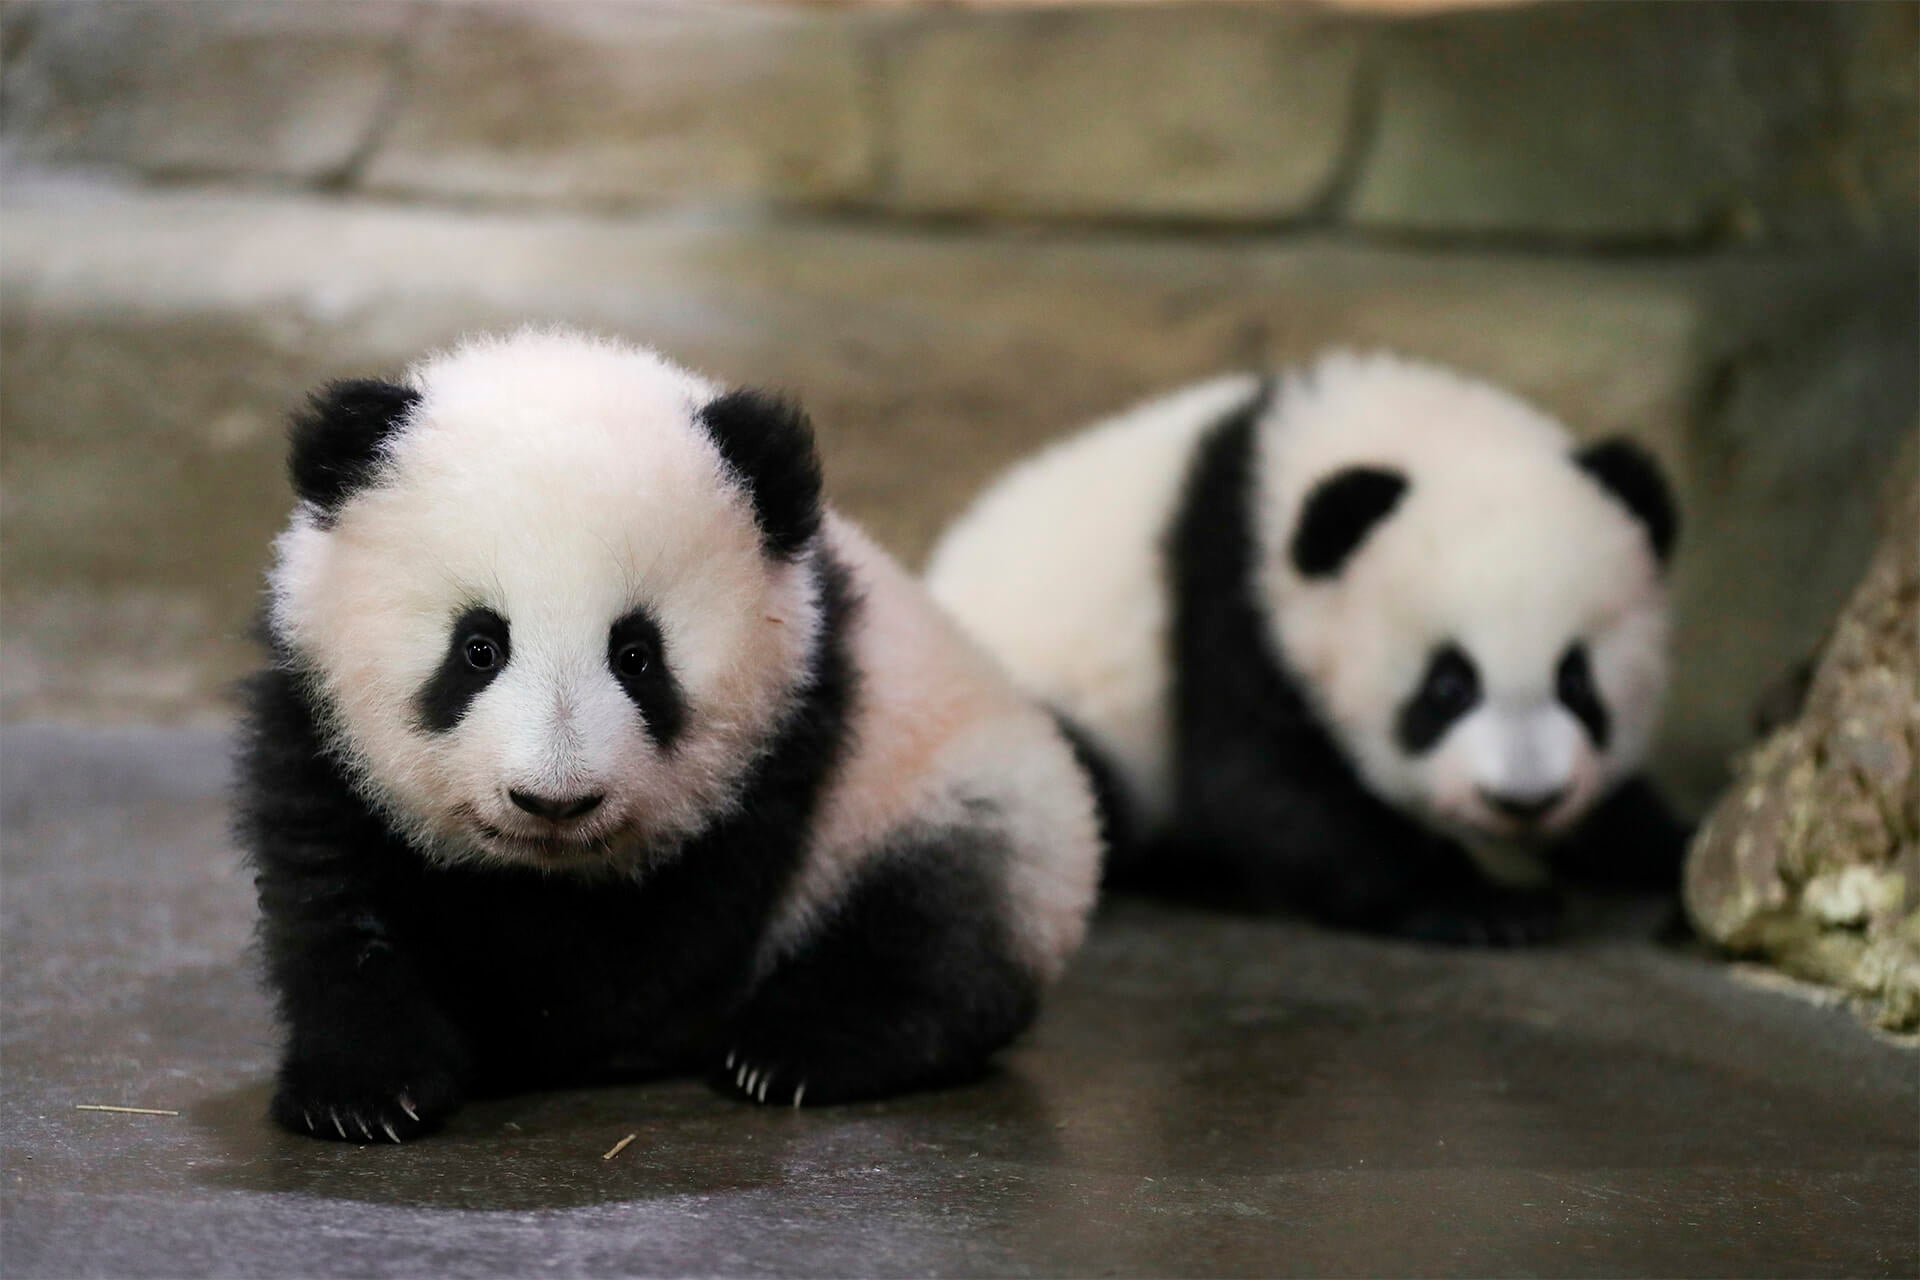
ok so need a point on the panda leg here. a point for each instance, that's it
(1258, 835)
(911, 983)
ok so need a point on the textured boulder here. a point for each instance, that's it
(1812, 859)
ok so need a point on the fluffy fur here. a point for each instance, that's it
(1365, 639)
(595, 746)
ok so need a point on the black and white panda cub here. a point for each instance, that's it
(594, 746)
(1366, 640)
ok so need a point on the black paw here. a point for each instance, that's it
(1490, 918)
(363, 1104)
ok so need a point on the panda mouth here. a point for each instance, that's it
(555, 847)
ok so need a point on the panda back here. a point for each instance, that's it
(940, 739)
(1058, 570)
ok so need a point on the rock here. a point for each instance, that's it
(1220, 113)
(177, 87)
(1812, 859)
(603, 103)
(1649, 122)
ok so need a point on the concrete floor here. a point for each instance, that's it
(1205, 1095)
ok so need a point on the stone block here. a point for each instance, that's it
(597, 103)
(174, 87)
(1653, 122)
(1202, 112)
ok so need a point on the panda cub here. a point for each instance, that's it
(1366, 640)
(593, 746)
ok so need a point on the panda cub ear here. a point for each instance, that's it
(769, 442)
(1631, 475)
(336, 441)
(1339, 514)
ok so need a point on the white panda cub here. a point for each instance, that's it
(594, 746)
(1366, 640)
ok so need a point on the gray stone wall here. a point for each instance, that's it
(955, 233)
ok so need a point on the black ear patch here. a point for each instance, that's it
(770, 443)
(336, 440)
(1339, 514)
(1631, 475)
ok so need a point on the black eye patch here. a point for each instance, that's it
(1448, 690)
(477, 651)
(1573, 685)
(637, 656)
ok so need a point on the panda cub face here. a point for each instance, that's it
(550, 594)
(1480, 615)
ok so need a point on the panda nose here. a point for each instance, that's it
(1524, 807)
(556, 808)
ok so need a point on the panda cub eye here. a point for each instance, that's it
(633, 659)
(1573, 686)
(638, 657)
(1449, 689)
(478, 647)
(482, 654)
(1452, 684)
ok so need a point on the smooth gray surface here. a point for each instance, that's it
(1205, 1095)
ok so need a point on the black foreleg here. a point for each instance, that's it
(911, 983)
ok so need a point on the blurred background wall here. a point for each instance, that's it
(954, 233)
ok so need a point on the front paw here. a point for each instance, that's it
(364, 1102)
(760, 1078)
(1492, 917)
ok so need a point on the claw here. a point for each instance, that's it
(762, 1095)
(388, 1126)
(406, 1105)
(731, 1055)
(308, 1117)
(740, 1076)
(752, 1076)
(798, 1094)
(334, 1115)
(364, 1131)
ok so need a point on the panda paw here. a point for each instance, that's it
(1492, 917)
(363, 1105)
(760, 1081)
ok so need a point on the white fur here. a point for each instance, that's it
(563, 481)
(1501, 545)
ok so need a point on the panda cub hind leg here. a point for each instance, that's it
(911, 983)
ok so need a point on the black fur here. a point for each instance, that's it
(769, 442)
(1573, 686)
(1632, 476)
(336, 441)
(406, 987)
(911, 984)
(654, 690)
(443, 699)
(1631, 840)
(1339, 514)
(1268, 812)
